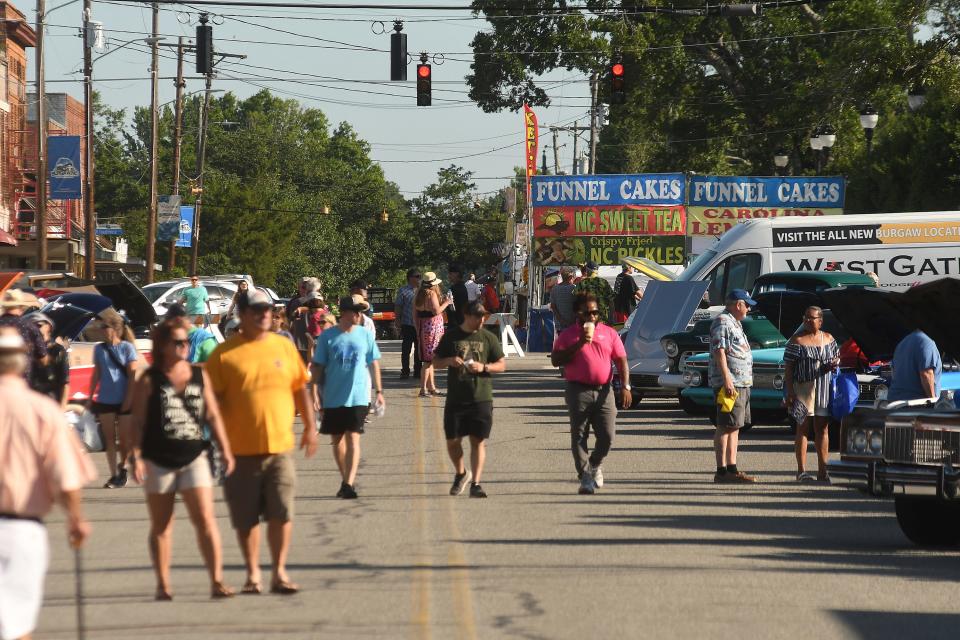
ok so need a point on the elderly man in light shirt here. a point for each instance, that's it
(41, 462)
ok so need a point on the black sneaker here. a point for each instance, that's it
(348, 492)
(460, 482)
(111, 483)
(121, 478)
(476, 491)
(404, 376)
(340, 491)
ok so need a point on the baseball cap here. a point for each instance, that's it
(41, 318)
(11, 340)
(592, 266)
(255, 299)
(353, 303)
(176, 310)
(741, 294)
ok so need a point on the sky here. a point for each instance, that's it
(350, 53)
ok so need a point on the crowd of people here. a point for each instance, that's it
(239, 399)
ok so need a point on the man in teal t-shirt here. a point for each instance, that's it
(196, 299)
(341, 359)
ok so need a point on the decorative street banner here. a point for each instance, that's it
(608, 250)
(716, 203)
(168, 218)
(63, 165)
(609, 220)
(607, 190)
(185, 239)
(531, 142)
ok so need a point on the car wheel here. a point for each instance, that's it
(929, 522)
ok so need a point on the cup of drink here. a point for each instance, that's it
(588, 329)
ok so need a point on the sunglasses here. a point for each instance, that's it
(590, 312)
(181, 343)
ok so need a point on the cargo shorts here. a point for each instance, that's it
(741, 410)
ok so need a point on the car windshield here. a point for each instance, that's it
(154, 292)
(697, 265)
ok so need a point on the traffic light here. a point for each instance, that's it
(204, 46)
(424, 80)
(398, 53)
(617, 83)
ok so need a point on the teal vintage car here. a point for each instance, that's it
(766, 396)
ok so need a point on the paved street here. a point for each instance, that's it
(659, 552)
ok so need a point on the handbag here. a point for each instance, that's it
(844, 394)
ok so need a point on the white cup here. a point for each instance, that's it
(588, 329)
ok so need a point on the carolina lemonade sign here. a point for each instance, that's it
(608, 218)
(716, 203)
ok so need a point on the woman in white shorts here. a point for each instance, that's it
(172, 402)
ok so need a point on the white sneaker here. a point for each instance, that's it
(597, 476)
(587, 485)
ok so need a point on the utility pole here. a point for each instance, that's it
(593, 122)
(556, 154)
(177, 139)
(89, 213)
(40, 209)
(576, 139)
(201, 153)
(154, 138)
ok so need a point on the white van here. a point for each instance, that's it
(903, 249)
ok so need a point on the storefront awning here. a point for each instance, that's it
(6, 238)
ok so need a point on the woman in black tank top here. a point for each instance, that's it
(172, 404)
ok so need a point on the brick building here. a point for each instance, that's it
(16, 36)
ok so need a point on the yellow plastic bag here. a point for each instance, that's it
(726, 401)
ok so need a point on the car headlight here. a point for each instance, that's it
(857, 441)
(778, 381)
(876, 442)
(686, 377)
(695, 378)
(881, 391)
(670, 347)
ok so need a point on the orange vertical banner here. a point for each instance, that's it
(531, 139)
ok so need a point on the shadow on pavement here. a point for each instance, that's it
(889, 624)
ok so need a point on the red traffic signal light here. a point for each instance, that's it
(616, 70)
(424, 82)
(617, 83)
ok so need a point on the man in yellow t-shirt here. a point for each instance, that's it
(261, 384)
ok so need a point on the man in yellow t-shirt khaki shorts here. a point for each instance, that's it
(261, 384)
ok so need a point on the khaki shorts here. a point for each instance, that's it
(740, 414)
(165, 480)
(260, 487)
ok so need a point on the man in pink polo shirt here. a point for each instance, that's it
(586, 350)
(41, 462)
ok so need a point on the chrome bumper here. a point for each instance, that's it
(873, 475)
(672, 380)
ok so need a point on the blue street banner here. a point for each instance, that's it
(186, 227)
(717, 203)
(608, 190)
(63, 167)
(109, 230)
(168, 218)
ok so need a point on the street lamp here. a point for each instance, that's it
(868, 120)
(916, 96)
(815, 142)
(828, 137)
(781, 160)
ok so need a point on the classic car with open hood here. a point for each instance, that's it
(910, 452)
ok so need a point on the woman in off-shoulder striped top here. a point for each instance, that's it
(809, 358)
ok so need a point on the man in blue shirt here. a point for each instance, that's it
(916, 368)
(342, 389)
(408, 332)
(197, 301)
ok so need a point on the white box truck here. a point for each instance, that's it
(903, 249)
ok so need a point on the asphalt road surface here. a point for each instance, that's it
(659, 552)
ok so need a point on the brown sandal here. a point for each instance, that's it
(283, 587)
(250, 587)
(220, 591)
(163, 595)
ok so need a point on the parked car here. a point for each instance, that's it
(759, 329)
(163, 294)
(911, 446)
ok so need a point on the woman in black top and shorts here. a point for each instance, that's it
(171, 404)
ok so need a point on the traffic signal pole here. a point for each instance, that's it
(154, 140)
(90, 215)
(177, 140)
(201, 155)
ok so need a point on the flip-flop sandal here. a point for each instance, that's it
(250, 587)
(805, 477)
(284, 587)
(423, 394)
(163, 596)
(220, 591)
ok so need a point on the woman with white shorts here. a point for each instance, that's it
(172, 403)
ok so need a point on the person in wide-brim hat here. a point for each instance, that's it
(430, 279)
(429, 305)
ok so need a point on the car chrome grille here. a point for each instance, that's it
(921, 446)
(867, 393)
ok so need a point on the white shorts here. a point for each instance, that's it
(24, 555)
(163, 480)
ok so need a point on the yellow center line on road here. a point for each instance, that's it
(465, 623)
(420, 611)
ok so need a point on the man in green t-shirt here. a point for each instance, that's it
(470, 354)
(196, 299)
